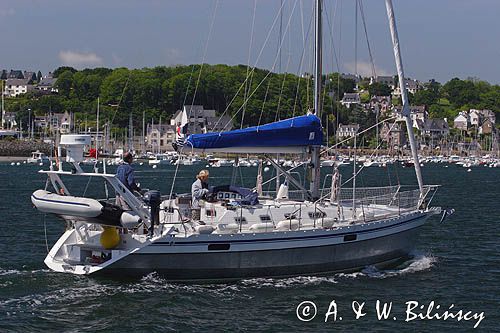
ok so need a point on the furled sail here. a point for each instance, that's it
(292, 135)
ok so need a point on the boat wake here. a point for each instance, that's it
(419, 262)
(85, 289)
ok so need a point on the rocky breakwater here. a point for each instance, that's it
(23, 148)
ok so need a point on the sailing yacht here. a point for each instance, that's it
(242, 233)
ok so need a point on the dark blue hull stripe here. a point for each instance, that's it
(61, 202)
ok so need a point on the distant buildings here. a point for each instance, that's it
(48, 84)
(160, 137)
(350, 99)
(345, 131)
(418, 114)
(355, 78)
(411, 85)
(55, 122)
(382, 104)
(202, 120)
(481, 120)
(9, 121)
(435, 128)
(387, 80)
(19, 82)
(16, 87)
(393, 134)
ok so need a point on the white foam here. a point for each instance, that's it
(9, 272)
(287, 282)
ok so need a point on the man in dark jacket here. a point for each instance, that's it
(125, 173)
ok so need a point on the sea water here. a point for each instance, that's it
(455, 264)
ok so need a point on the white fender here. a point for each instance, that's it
(262, 227)
(292, 224)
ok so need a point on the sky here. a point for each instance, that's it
(440, 39)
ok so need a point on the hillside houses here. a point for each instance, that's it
(393, 134)
(350, 99)
(16, 87)
(18, 82)
(481, 120)
(418, 114)
(347, 131)
(387, 80)
(435, 128)
(382, 104)
(47, 84)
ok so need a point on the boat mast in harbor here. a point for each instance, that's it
(404, 93)
(318, 72)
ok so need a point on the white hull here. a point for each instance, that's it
(226, 257)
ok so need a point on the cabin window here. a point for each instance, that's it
(317, 215)
(240, 220)
(350, 238)
(218, 247)
(289, 216)
(210, 212)
(265, 218)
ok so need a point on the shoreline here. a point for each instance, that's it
(12, 158)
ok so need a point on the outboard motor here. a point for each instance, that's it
(153, 199)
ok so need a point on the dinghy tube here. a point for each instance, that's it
(84, 209)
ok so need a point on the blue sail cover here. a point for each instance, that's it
(290, 135)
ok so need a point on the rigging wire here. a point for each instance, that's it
(253, 68)
(204, 55)
(266, 76)
(335, 146)
(361, 11)
(194, 95)
(301, 62)
(248, 87)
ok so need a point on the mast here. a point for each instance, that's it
(143, 141)
(97, 132)
(130, 133)
(315, 158)
(3, 105)
(404, 93)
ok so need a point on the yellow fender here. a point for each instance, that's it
(110, 238)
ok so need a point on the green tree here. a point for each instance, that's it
(64, 83)
(63, 69)
(379, 89)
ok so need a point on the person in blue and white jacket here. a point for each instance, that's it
(199, 190)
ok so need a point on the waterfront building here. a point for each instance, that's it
(201, 120)
(159, 138)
